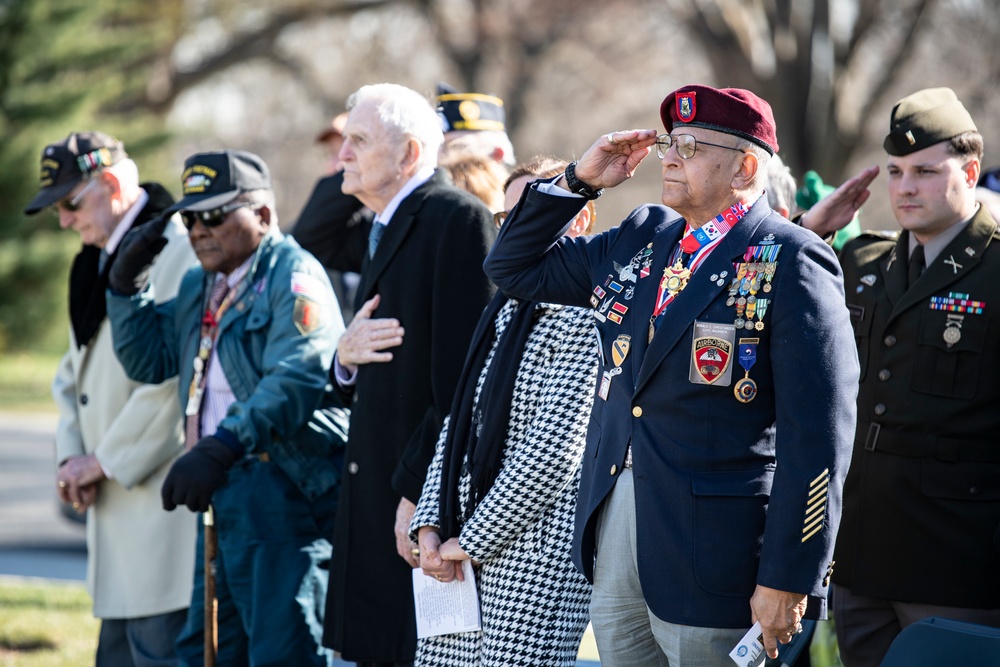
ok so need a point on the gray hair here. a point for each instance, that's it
(406, 113)
(481, 142)
(259, 198)
(780, 185)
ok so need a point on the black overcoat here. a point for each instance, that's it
(428, 271)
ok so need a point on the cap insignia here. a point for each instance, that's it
(686, 107)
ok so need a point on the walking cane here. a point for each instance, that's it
(211, 605)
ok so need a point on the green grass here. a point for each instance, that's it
(25, 381)
(45, 624)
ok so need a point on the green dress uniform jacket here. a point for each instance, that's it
(921, 518)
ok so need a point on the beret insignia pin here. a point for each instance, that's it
(686, 106)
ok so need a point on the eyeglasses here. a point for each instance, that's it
(499, 217)
(686, 144)
(216, 216)
(73, 205)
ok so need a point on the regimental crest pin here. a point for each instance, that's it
(687, 106)
(620, 349)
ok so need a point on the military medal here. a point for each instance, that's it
(762, 305)
(693, 249)
(745, 390)
(953, 329)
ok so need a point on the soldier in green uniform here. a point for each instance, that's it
(919, 535)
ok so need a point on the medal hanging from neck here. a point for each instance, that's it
(209, 329)
(692, 250)
(746, 389)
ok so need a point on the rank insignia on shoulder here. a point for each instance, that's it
(816, 505)
(308, 315)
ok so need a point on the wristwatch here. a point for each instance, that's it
(579, 187)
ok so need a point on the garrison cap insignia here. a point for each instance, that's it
(816, 505)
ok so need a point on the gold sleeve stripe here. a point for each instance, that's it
(815, 530)
(818, 512)
(820, 487)
(825, 475)
(818, 500)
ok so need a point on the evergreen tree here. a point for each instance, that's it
(64, 66)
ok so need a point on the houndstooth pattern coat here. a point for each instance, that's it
(534, 601)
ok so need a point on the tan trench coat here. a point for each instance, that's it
(141, 558)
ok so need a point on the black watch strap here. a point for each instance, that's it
(579, 187)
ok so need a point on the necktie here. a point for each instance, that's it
(192, 426)
(916, 265)
(374, 237)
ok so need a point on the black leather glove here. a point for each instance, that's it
(195, 476)
(130, 270)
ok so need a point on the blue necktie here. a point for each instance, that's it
(374, 237)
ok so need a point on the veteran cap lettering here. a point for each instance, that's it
(211, 180)
(67, 162)
(925, 118)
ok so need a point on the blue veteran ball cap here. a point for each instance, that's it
(211, 180)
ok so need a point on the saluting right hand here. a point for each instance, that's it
(613, 158)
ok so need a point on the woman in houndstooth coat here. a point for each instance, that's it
(517, 528)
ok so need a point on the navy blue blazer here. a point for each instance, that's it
(728, 494)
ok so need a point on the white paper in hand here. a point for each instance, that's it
(446, 608)
(749, 652)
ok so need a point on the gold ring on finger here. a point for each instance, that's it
(62, 484)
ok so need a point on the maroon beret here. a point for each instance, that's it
(730, 110)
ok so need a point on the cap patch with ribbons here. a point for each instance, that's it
(67, 162)
(731, 110)
(211, 180)
(925, 118)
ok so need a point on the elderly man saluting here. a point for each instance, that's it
(724, 411)
(250, 336)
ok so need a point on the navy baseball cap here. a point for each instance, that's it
(66, 163)
(211, 180)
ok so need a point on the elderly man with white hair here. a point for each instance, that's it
(117, 437)
(421, 293)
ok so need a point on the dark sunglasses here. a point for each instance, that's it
(216, 216)
(73, 205)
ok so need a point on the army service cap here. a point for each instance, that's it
(67, 162)
(469, 111)
(925, 118)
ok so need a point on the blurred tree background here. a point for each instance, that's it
(178, 76)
